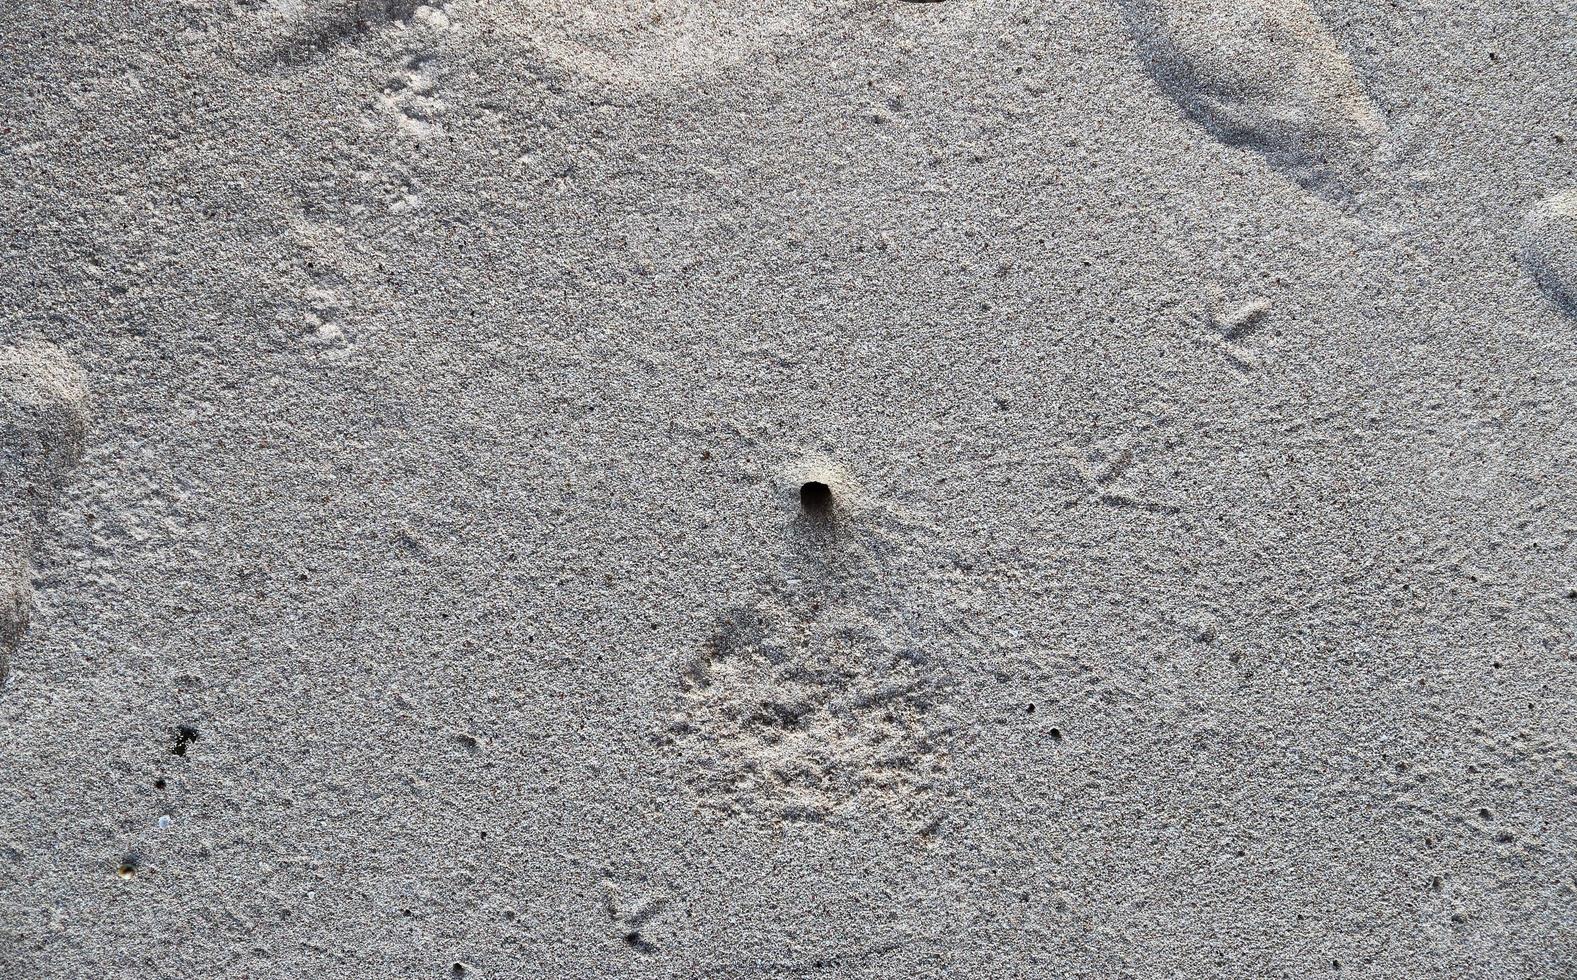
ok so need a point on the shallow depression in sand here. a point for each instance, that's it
(1268, 75)
(43, 414)
(1550, 248)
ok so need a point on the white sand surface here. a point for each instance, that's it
(406, 568)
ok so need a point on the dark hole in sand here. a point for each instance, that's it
(815, 497)
(184, 736)
(636, 941)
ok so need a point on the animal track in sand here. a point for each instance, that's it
(1267, 75)
(413, 99)
(650, 44)
(302, 32)
(337, 283)
(410, 97)
(795, 714)
(303, 29)
(642, 43)
(1230, 330)
(1498, 791)
(1103, 467)
(1549, 248)
(43, 419)
(630, 916)
(412, 94)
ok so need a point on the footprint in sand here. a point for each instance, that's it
(649, 43)
(1267, 75)
(43, 416)
(299, 31)
(1549, 248)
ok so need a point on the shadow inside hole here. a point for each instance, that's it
(815, 498)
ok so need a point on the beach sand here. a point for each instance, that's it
(644, 488)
